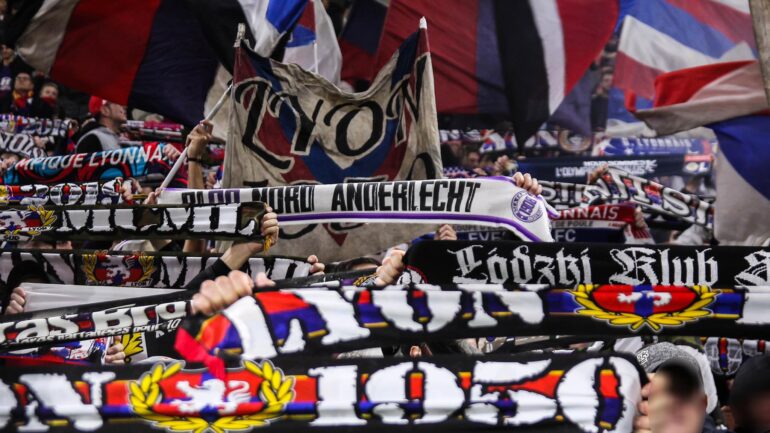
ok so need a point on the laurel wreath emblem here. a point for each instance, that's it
(656, 322)
(275, 391)
(47, 218)
(89, 266)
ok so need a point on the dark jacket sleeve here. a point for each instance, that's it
(89, 144)
(218, 269)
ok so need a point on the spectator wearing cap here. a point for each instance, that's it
(675, 400)
(750, 396)
(103, 134)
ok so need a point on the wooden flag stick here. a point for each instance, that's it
(760, 14)
(178, 164)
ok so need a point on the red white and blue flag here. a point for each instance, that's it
(660, 36)
(730, 99)
(313, 43)
(513, 58)
(360, 39)
(158, 55)
(291, 127)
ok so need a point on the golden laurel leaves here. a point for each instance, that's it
(47, 218)
(148, 267)
(90, 260)
(657, 321)
(132, 345)
(275, 391)
(89, 264)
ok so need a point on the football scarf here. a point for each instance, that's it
(570, 264)
(110, 222)
(135, 161)
(153, 131)
(63, 194)
(14, 124)
(567, 393)
(726, 355)
(577, 168)
(129, 316)
(135, 269)
(493, 202)
(290, 321)
(21, 145)
(614, 223)
(617, 186)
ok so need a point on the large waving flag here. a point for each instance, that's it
(313, 43)
(730, 99)
(693, 97)
(512, 58)
(291, 127)
(360, 39)
(660, 36)
(743, 186)
(158, 55)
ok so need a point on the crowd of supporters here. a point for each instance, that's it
(683, 395)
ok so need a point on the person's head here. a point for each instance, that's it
(49, 92)
(107, 113)
(7, 53)
(684, 396)
(357, 264)
(679, 387)
(605, 83)
(23, 82)
(7, 160)
(471, 158)
(750, 395)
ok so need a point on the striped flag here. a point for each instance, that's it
(660, 36)
(158, 55)
(730, 99)
(360, 39)
(513, 58)
(313, 43)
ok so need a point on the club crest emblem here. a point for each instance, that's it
(525, 207)
(179, 400)
(21, 225)
(130, 270)
(637, 306)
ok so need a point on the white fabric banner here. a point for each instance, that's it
(492, 202)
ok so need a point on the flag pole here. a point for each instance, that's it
(760, 14)
(240, 34)
(178, 164)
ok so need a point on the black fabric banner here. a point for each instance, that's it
(129, 316)
(576, 169)
(290, 321)
(135, 269)
(535, 393)
(110, 222)
(569, 264)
